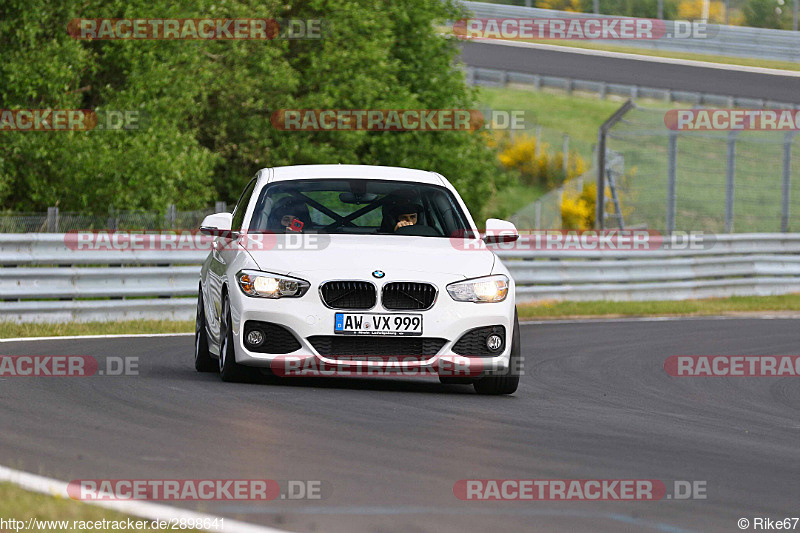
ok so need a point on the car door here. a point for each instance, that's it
(223, 252)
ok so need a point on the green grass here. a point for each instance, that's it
(19, 504)
(578, 116)
(544, 309)
(642, 139)
(505, 202)
(11, 330)
(711, 306)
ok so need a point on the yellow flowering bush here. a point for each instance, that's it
(693, 10)
(578, 210)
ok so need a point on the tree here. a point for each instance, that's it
(762, 14)
(209, 102)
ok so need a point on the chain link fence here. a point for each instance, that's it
(711, 181)
(545, 213)
(55, 221)
(666, 180)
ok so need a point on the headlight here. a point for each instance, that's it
(486, 289)
(266, 285)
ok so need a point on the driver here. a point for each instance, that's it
(405, 213)
(289, 214)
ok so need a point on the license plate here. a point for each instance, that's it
(377, 324)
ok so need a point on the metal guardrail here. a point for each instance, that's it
(41, 280)
(52, 282)
(733, 265)
(733, 41)
(502, 78)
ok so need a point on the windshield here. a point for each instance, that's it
(358, 207)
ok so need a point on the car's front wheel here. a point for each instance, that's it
(203, 362)
(508, 381)
(229, 369)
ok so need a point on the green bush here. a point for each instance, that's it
(209, 102)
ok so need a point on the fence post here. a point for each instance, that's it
(600, 206)
(538, 141)
(794, 14)
(730, 182)
(596, 7)
(171, 214)
(111, 222)
(52, 219)
(672, 181)
(787, 180)
(537, 217)
(566, 155)
(660, 9)
(221, 207)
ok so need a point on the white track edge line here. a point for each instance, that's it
(113, 336)
(141, 509)
(600, 320)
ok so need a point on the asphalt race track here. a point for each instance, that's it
(594, 403)
(648, 72)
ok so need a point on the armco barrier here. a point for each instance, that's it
(733, 41)
(42, 280)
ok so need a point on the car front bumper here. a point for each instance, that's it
(307, 317)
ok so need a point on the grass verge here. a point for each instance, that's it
(539, 310)
(22, 505)
(507, 201)
(578, 116)
(713, 306)
(9, 330)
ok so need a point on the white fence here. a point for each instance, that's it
(43, 280)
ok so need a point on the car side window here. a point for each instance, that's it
(241, 206)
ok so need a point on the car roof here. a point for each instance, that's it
(298, 172)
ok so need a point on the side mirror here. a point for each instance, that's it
(498, 231)
(217, 225)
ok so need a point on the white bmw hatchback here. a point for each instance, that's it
(335, 263)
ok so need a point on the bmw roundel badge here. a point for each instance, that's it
(378, 274)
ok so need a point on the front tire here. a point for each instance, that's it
(203, 362)
(229, 369)
(507, 382)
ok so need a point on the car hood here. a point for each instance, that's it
(358, 256)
